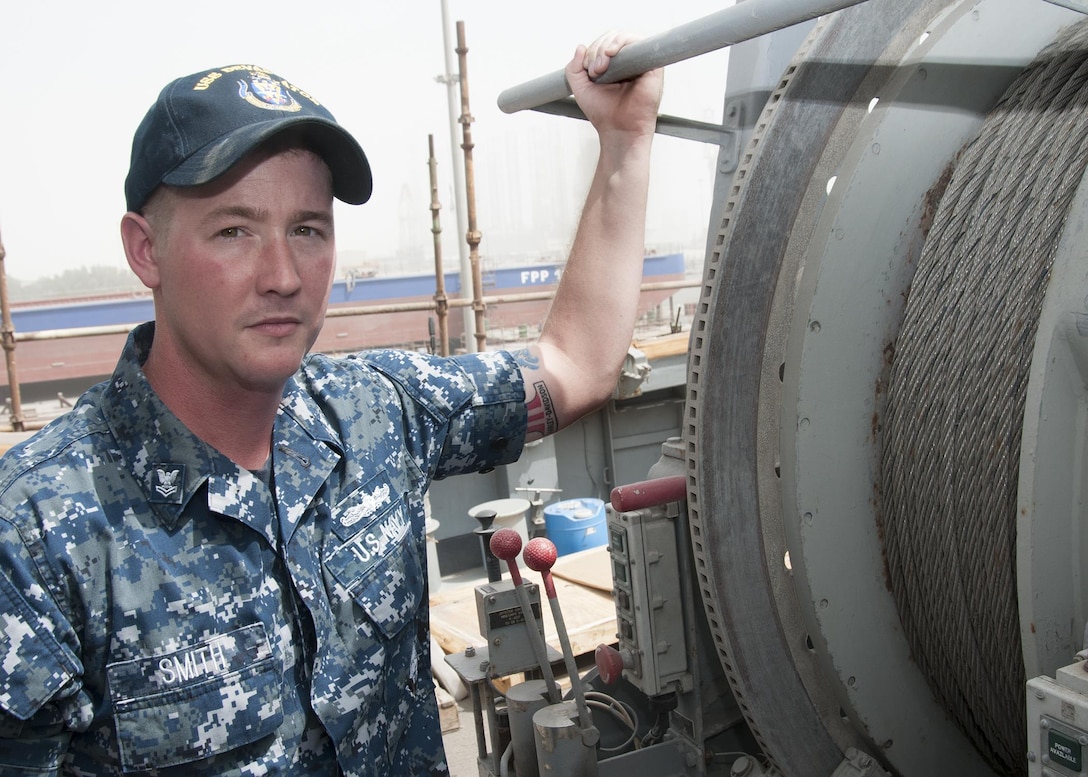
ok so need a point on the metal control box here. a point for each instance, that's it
(648, 597)
(1057, 723)
(503, 625)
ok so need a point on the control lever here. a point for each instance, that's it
(505, 545)
(540, 555)
(485, 532)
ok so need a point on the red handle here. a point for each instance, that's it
(648, 493)
(609, 663)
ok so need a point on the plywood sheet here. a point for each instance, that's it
(590, 568)
(589, 614)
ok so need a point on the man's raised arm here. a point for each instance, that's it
(574, 366)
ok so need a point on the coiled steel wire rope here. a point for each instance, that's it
(951, 450)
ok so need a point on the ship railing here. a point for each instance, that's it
(21, 420)
(348, 310)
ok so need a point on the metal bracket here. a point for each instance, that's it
(741, 112)
(859, 764)
(634, 371)
(674, 126)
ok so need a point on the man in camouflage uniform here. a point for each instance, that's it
(214, 565)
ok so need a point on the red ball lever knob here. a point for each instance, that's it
(540, 554)
(505, 544)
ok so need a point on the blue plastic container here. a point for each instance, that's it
(576, 524)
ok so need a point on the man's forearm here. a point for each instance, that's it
(592, 317)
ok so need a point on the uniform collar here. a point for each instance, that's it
(172, 464)
(169, 462)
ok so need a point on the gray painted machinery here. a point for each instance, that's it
(870, 556)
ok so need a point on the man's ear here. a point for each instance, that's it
(138, 238)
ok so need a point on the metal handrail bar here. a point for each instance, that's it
(72, 332)
(673, 126)
(357, 310)
(737, 23)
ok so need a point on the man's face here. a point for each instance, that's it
(245, 266)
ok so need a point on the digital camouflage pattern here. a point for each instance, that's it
(164, 614)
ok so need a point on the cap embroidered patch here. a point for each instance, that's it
(263, 91)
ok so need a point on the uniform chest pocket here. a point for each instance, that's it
(380, 568)
(204, 699)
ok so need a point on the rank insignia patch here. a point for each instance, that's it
(166, 483)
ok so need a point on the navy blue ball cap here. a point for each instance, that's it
(201, 125)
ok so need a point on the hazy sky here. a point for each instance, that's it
(79, 76)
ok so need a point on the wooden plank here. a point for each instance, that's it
(589, 614)
(666, 345)
(449, 715)
(591, 568)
